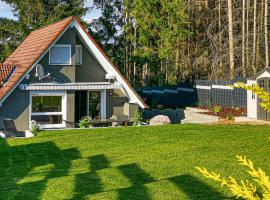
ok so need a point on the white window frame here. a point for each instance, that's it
(59, 46)
(80, 46)
(63, 109)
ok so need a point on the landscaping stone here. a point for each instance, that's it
(160, 120)
(175, 115)
(199, 118)
(2, 135)
(197, 110)
(29, 134)
(250, 121)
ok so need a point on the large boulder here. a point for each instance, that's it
(160, 120)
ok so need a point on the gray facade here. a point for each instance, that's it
(16, 106)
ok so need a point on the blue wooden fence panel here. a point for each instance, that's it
(202, 92)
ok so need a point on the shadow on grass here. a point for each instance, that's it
(196, 189)
(99, 162)
(138, 177)
(90, 182)
(22, 176)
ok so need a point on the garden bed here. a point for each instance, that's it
(225, 112)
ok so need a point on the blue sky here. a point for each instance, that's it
(5, 11)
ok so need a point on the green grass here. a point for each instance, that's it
(128, 163)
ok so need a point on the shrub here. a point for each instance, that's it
(85, 123)
(245, 189)
(230, 116)
(35, 127)
(237, 108)
(217, 109)
(137, 118)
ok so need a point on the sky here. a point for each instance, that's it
(5, 11)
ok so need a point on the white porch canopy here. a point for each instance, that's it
(71, 86)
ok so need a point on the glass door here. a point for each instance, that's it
(94, 104)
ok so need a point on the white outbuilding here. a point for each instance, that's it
(254, 110)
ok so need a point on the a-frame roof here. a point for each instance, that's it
(30, 50)
(36, 45)
(254, 77)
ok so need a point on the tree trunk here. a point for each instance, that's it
(177, 60)
(247, 36)
(126, 50)
(135, 47)
(143, 74)
(161, 75)
(254, 50)
(266, 33)
(206, 4)
(166, 75)
(219, 30)
(243, 37)
(147, 70)
(231, 38)
(260, 31)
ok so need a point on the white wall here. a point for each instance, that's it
(251, 103)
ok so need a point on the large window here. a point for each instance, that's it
(46, 104)
(48, 109)
(78, 53)
(60, 55)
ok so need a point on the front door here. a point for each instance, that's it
(265, 84)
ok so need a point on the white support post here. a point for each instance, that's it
(103, 104)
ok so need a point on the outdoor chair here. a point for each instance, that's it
(10, 129)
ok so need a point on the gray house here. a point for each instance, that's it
(60, 74)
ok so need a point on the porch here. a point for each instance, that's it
(55, 105)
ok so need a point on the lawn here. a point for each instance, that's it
(128, 163)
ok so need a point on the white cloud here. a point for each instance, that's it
(92, 13)
(6, 11)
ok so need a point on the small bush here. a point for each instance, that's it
(217, 109)
(237, 108)
(85, 123)
(258, 188)
(137, 118)
(230, 116)
(35, 127)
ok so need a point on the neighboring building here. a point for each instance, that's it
(254, 110)
(59, 74)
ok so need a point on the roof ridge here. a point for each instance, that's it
(65, 19)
